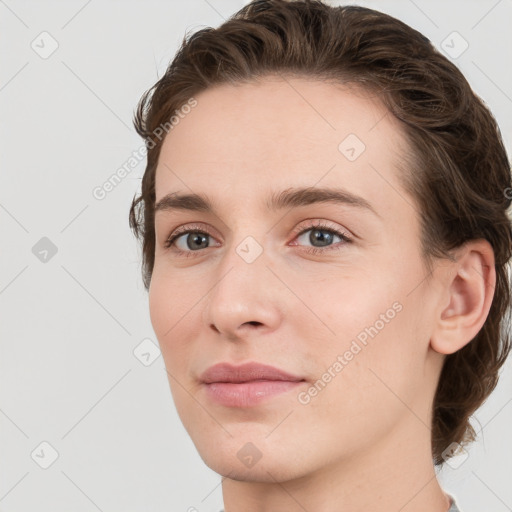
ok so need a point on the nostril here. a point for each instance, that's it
(254, 323)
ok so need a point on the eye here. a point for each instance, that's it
(324, 235)
(192, 239)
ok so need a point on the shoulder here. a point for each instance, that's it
(453, 507)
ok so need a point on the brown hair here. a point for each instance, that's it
(456, 167)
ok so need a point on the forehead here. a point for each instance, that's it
(278, 133)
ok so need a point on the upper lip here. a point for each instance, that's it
(226, 372)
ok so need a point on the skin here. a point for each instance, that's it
(363, 442)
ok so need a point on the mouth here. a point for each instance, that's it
(247, 394)
(247, 385)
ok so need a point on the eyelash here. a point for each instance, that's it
(346, 239)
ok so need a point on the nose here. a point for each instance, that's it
(245, 297)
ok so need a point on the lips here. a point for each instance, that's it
(248, 385)
(248, 372)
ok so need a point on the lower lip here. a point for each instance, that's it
(247, 394)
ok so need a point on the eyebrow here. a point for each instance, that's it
(289, 198)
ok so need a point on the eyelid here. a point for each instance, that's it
(186, 228)
(298, 230)
(322, 224)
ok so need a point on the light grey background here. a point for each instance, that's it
(70, 324)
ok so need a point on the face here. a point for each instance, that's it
(330, 291)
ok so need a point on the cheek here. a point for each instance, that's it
(174, 309)
(364, 381)
(379, 338)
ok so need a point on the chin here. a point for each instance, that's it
(269, 472)
(243, 461)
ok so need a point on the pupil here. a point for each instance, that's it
(316, 235)
(197, 237)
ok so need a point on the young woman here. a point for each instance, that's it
(325, 239)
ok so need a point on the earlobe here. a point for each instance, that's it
(469, 290)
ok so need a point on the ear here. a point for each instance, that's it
(467, 295)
